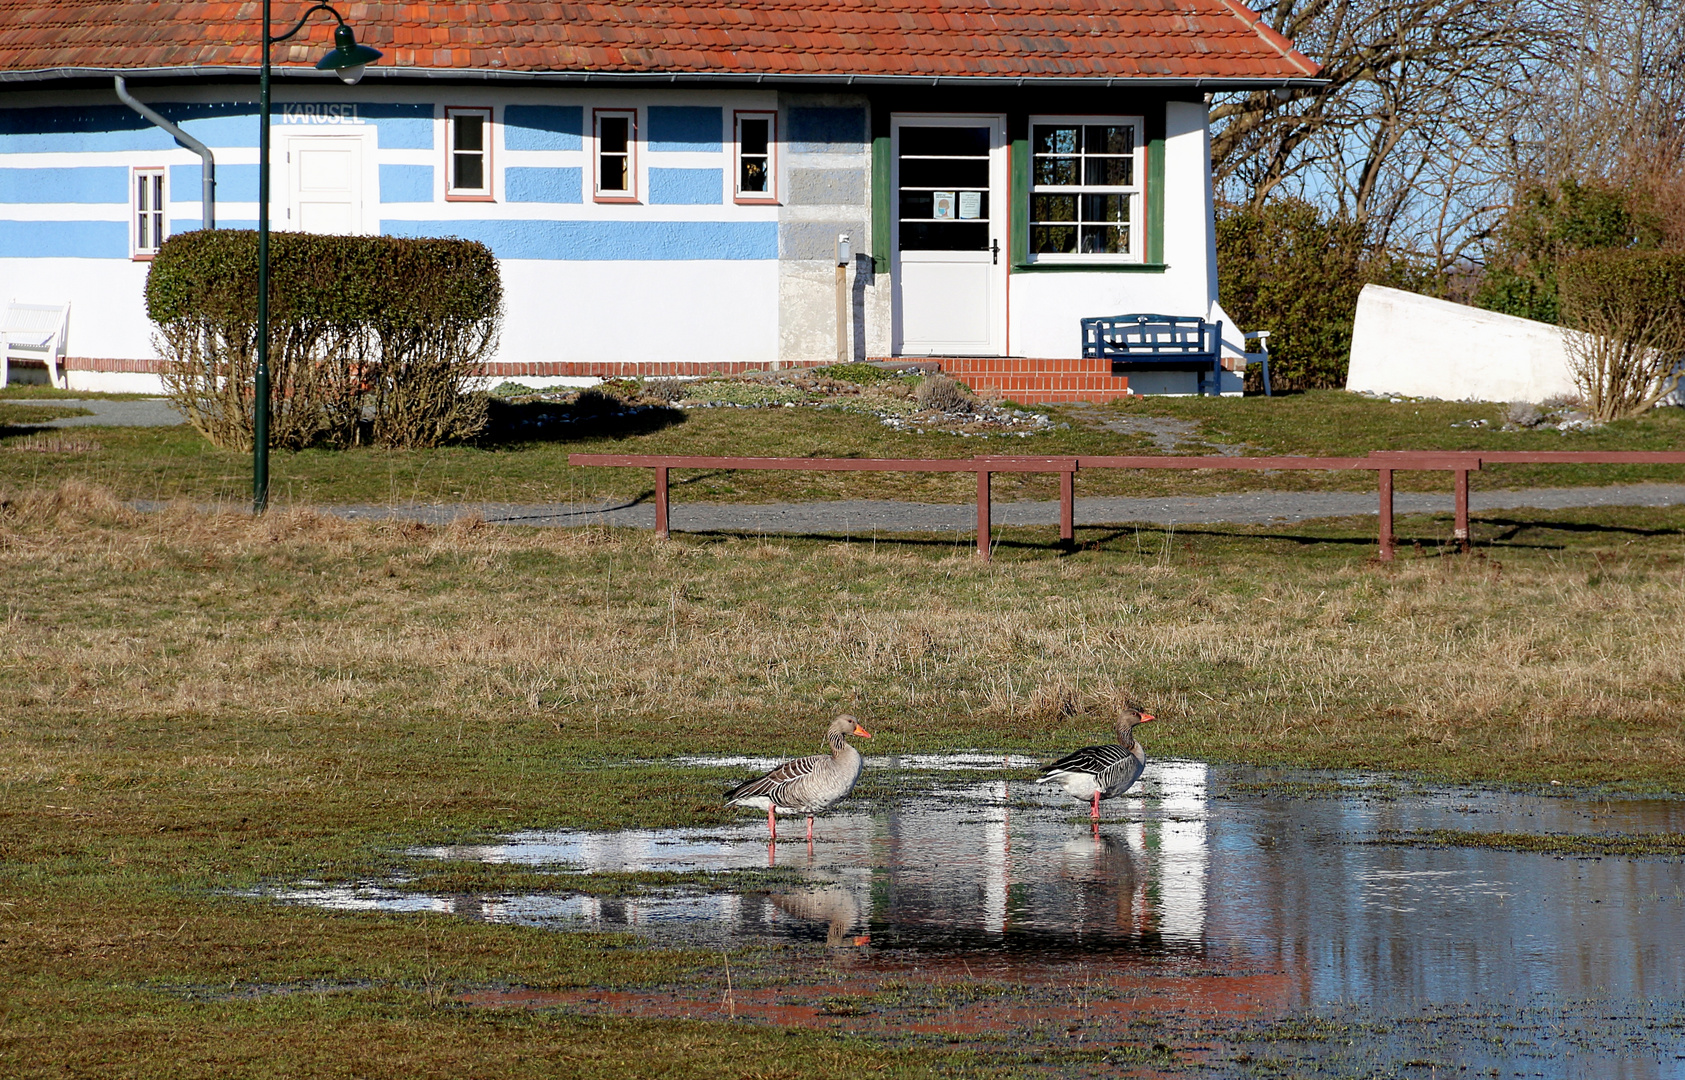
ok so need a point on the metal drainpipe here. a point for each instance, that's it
(208, 195)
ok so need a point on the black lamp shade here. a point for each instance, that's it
(346, 53)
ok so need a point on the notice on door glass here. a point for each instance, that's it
(971, 205)
(942, 205)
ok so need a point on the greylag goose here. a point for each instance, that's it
(806, 785)
(1103, 772)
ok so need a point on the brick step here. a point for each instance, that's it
(1039, 380)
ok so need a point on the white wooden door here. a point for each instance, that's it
(949, 187)
(325, 183)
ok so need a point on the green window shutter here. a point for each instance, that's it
(880, 204)
(1155, 196)
(1018, 187)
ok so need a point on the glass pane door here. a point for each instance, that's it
(949, 180)
(944, 196)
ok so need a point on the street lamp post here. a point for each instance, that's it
(347, 60)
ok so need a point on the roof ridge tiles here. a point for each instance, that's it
(1109, 38)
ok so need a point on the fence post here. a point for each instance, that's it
(661, 502)
(1461, 533)
(1385, 485)
(1067, 504)
(983, 523)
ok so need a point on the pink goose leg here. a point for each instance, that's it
(771, 823)
(810, 830)
(1095, 812)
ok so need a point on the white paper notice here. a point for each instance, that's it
(971, 205)
(942, 205)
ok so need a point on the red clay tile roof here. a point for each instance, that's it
(1129, 39)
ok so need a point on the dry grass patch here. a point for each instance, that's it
(613, 640)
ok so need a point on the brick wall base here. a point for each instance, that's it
(1020, 378)
(101, 363)
(567, 368)
(1038, 381)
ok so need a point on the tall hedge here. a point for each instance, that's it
(1549, 225)
(1291, 270)
(372, 333)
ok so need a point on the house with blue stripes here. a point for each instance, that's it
(669, 189)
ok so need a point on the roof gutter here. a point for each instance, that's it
(208, 179)
(1216, 84)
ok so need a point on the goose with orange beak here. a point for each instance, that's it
(1103, 772)
(809, 785)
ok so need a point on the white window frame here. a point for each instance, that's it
(453, 193)
(770, 195)
(630, 193)
(157, 182)
(1136, 193)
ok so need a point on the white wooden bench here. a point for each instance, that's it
(34, 332)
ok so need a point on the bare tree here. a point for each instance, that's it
(1614, 111)
(1413, 137)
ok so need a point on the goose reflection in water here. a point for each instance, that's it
(1107, 888)
(839, 907)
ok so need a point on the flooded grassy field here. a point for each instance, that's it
(1247, 921)
(299, 797)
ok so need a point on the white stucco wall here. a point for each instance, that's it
(1403, 343)
(1046, 307)
(698, 280)
(106, 296)
(587, 311)
(688, 302)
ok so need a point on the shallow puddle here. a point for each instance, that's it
(1206, 894)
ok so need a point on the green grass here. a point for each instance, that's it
(34, 391)
(198, 705)
(166, 463)
(1620, 845)
(12, 416)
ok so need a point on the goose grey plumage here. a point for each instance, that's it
(806, 785)
(1103, 772)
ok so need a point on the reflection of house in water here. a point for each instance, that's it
(1256, 905)
(964, 869)
(1184, 855)
(968, 872)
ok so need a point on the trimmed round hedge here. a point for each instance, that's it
(371, 337)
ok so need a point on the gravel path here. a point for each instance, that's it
(147, 412)
(865, 516)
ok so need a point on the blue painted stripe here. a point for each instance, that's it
(64, 239)
(87, 184)
(79, 127)
(524, 184)
(181, 225)
(234, 183)
(402, 127)
(70, 128)
(406, 183)
(236, 129)
(600, 241)
(543, 127)
(399, 127)
(686, 187)
(216, 124)
(684, 127)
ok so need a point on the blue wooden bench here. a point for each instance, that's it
(1158, 343)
